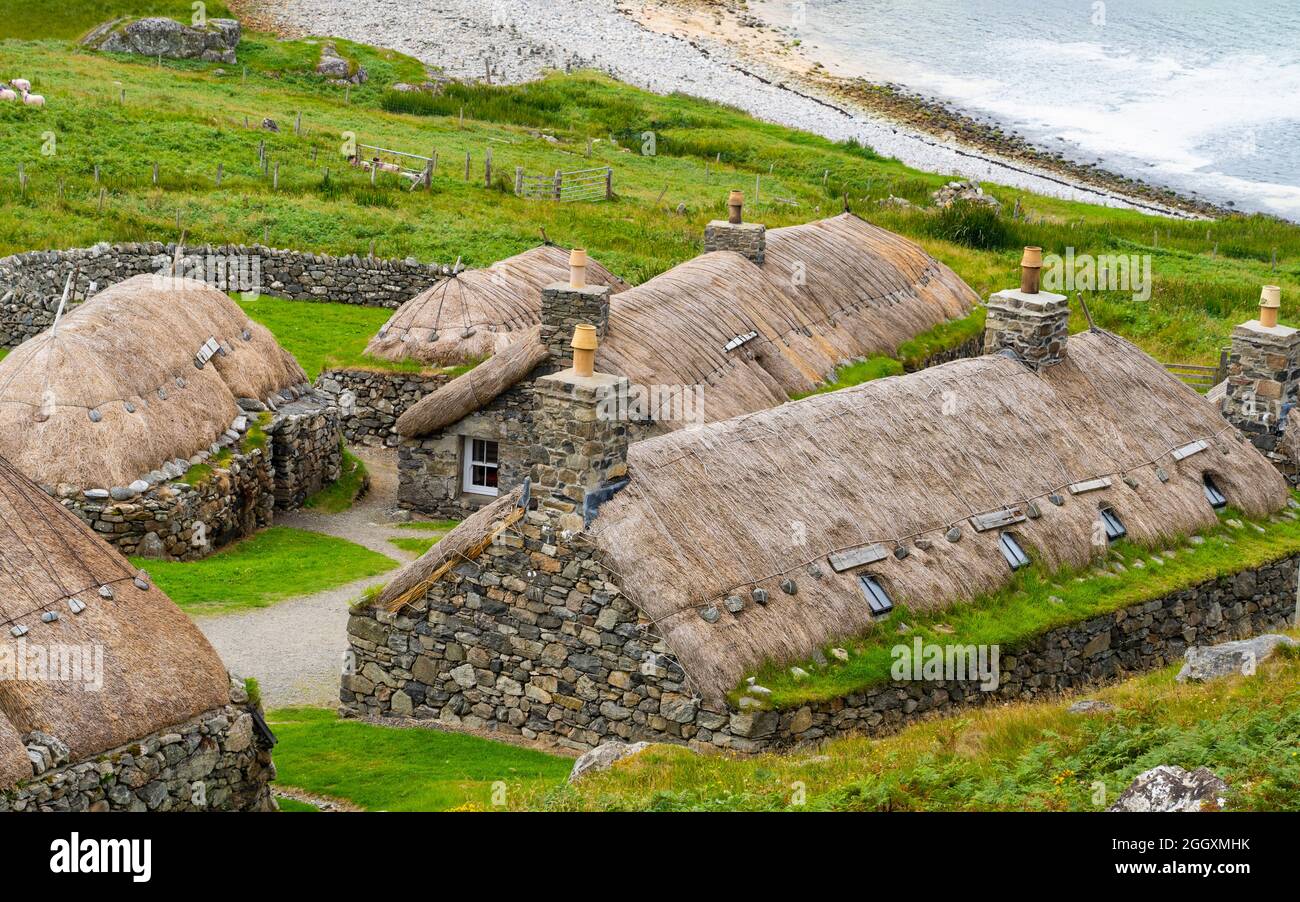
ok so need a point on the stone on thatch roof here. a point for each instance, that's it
(158, 670)
(114, 392)
(752, 501)
(478, 312)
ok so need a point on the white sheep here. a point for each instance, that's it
(6, 94)
(21, 85)
(34, 99)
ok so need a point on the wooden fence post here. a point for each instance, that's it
(487, 168)
(559, 184)
(609, 183)
(275, 179)
(467, 165)
(519, 180)
(155, 173)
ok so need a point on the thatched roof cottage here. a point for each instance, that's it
(637, 585)
(476, 313)
(99, 671)
(126, 395)
(758, 318)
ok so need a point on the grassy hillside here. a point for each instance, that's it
(190, 117)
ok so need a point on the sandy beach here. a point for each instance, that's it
(711, 49)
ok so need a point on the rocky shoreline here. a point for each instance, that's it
(512, 41)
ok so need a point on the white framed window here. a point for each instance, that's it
(482, 461)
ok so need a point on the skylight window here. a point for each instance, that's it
(1012, 551)
(1213, 494)
(1114, 528)
(877, 598)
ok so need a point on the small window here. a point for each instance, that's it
(481, 466)
(1213, 495)
(1114, 528)
(877, 597)
(1012, 551)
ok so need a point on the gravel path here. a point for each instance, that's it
(520, 39)
(295, 647)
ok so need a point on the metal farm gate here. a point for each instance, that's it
(579, 184)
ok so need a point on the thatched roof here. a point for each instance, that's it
(830, 291)
(128, 355)
(744, 503)
(158, 670)
(475, 389)
(494, 305)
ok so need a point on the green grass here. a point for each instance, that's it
(71, 19)
(324, 335)
(392, 769)
(295, 805)
(415, 546)
(187, 118)
(430, 525)
(275, 564)
(343, 492)
(916, 351)
(1034, 603)
(1034, 757)
(856, 373)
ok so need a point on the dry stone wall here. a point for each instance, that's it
(306, 454)
(534, 639)
(219, 761)
(370, 401)
(31, 283)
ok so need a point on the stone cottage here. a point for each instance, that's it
(760, 316)
(165, 418)
(110, 698)
(625, 591)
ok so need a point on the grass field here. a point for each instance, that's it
(187, 118)
(275, 564)
(323, 335)
(392, 769)
(1036, 602)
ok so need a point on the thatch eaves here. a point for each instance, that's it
(157, 668)
(475, 389)
(114, 392)
(479, 312)
(747, 503)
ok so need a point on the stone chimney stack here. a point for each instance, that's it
(565, 305)
(581, 438)
(1263, 375)
(748, 239)
(1034, 324)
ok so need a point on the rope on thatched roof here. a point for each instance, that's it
(473, 390)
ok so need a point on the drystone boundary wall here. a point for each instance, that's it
(215, 762)
(306, 454)
(32, 283)
(370, 401)
(533, 639)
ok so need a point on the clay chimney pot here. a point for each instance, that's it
(584, 349)
(1031, 263)
(735, 207)
(1270, 299)
(578, 268)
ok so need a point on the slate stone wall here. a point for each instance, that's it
(218, 761)
(31, 283)
(749, 239)
(1262, 389)
(534, 639)
(306, 453)
(1035, 326)
(370, 401)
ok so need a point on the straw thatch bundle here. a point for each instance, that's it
(114, 392)
(477, 313)
(464, 543)
(863, 290)
(475, 389)
(158, 669)
(744, 503)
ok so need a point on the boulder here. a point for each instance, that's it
(337, 69)
(151, 547)
(603, 756)
(1209, 662)
(1090, 706)
(1170, 788)
(156, 36)
(970, 192)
